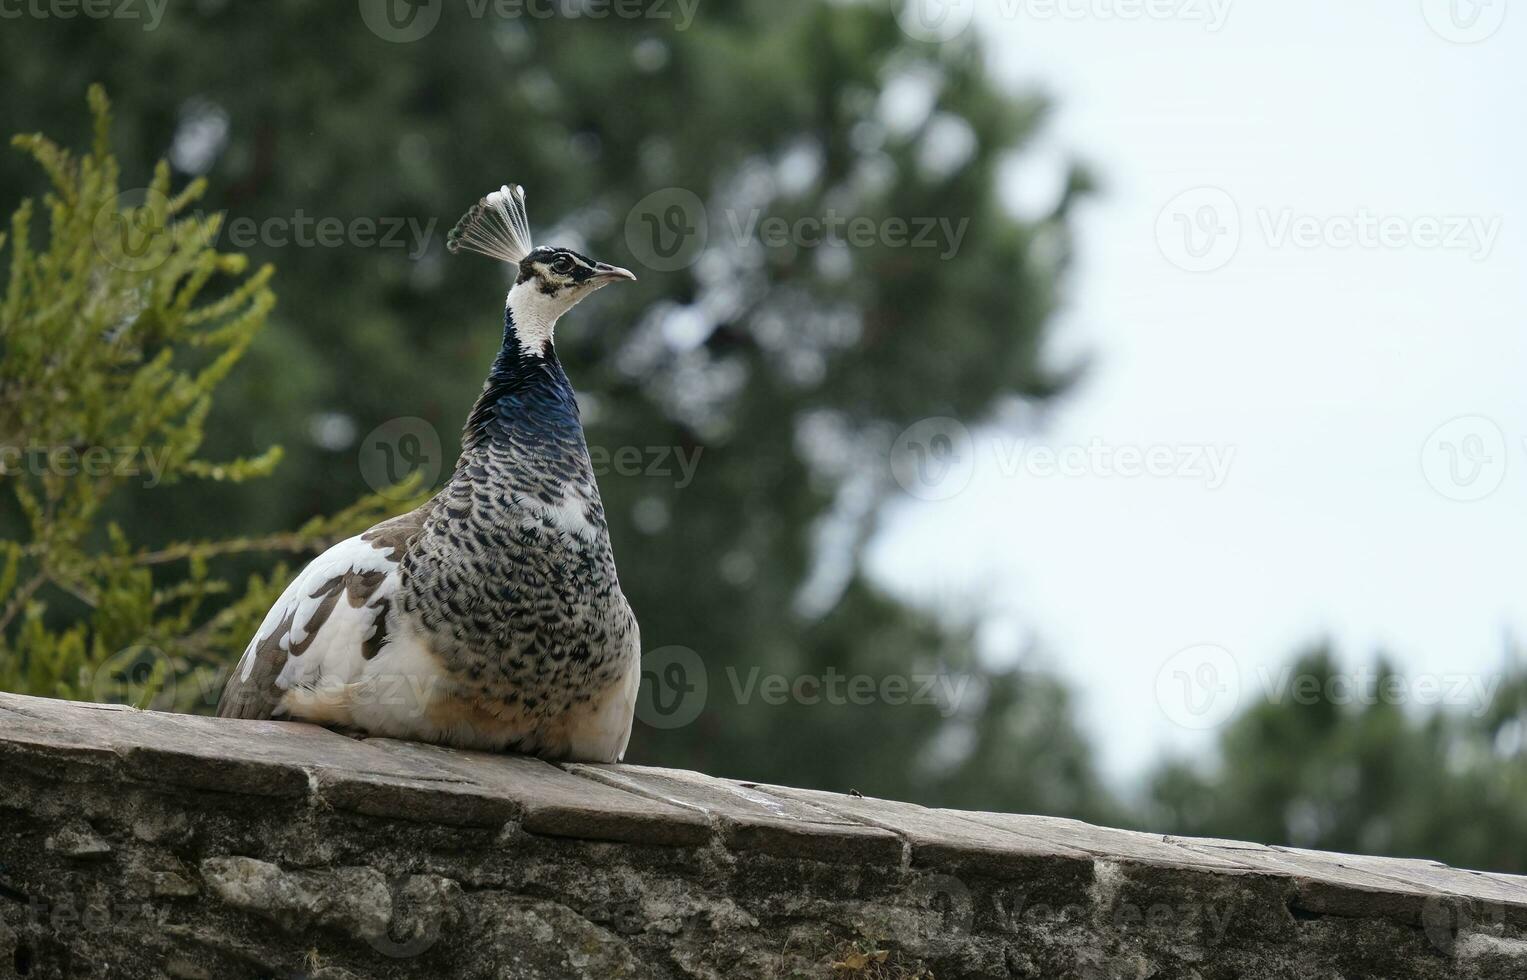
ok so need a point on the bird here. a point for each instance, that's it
(491, 617)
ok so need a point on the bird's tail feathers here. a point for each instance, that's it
(496, 226)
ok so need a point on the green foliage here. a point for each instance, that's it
(1340, 766)
(114, 337)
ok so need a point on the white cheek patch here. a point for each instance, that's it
(535, 314)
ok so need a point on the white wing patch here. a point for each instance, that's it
(325, 631)
(569, 516)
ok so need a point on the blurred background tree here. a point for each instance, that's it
(1343, 767)
(789, 370)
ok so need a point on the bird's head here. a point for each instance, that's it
(550, 280)
(565, 275)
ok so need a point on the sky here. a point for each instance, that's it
(1302, 300)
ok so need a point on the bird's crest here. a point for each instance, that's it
(495, 226)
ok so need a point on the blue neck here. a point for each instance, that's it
(527, 397)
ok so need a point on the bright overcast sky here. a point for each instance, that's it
(1323, 349)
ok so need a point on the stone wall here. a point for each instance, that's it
(136, 844)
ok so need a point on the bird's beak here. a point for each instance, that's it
(603, 273)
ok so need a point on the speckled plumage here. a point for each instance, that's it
(512, 578)
(491, 617)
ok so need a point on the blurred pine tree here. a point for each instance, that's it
(1345, 766)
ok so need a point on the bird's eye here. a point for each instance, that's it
(562, 266)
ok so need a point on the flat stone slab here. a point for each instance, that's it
(376, 777)
(751, 820)
(549, 800)
(940, 842)
(1103, 842)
